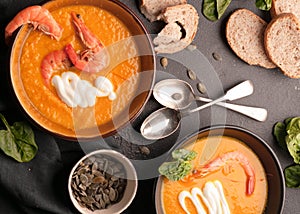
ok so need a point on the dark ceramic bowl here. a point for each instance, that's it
(131, 110)
(271, 164)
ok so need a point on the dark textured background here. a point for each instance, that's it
(40, 186)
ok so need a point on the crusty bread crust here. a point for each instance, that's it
(282, 38)
(245, 35)
(285, 6)
(152, 8)
(185, 17)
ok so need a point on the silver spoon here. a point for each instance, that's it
(166, 121)
(178, 94)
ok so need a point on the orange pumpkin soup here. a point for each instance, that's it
(229, 167)
(109, 30)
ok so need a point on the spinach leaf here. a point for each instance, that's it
(292, 176)
(180, 167)
(280, 134)
(214, 9)
(209, 10)
(221, 7)
(18, 141)
(263, 4)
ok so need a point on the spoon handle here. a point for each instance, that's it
(243, 89)
(259, 114)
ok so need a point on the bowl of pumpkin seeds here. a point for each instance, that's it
(102, 182)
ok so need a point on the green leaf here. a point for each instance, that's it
(209, 10)
(263, 4)
(293, 145)
(180, 167)
(221, 7)
(292, 176)
(293, 127)
(293, 138)
(184, 154)
(175, 170)
(280, 134)
(18, 141)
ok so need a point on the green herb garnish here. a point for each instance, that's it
(287, 135)
(292, 176)
(214, 9)
(18, 141)
(180, 167)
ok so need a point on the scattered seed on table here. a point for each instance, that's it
(145, 150)
(192, 47)
(164, 62)
(191, 74)
(217, 56)
(201, 88)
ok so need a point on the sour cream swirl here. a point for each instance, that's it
(212, 196)
(77, 92)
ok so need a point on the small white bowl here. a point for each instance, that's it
(129, 192)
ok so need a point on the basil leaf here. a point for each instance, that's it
(221, 7)
(292, 176)
(178, 169)
(184, 154)
(280, 134)
(209, 10)
(263, 4)
(18, 141)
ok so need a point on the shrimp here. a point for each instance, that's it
(39, 17)
(222, 160)
(92, 59)
(52, 62)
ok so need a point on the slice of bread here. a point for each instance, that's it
(245, 35)
(285, 6)
(181, 28)
(282, 43)
(152, 8)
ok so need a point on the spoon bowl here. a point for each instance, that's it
(174, 93)
(162, 122)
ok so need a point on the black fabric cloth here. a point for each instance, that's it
(39, 186)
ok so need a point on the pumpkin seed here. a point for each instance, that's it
(112, 194)
(164, 62)
(191, 74)
(217, 56)
(145, 150)
(201, 88)
(191, 47)
(98, 182)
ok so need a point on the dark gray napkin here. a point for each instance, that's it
(39, 186)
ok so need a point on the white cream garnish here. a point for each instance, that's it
(77, 92)
(106, 88)
(212, 196)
